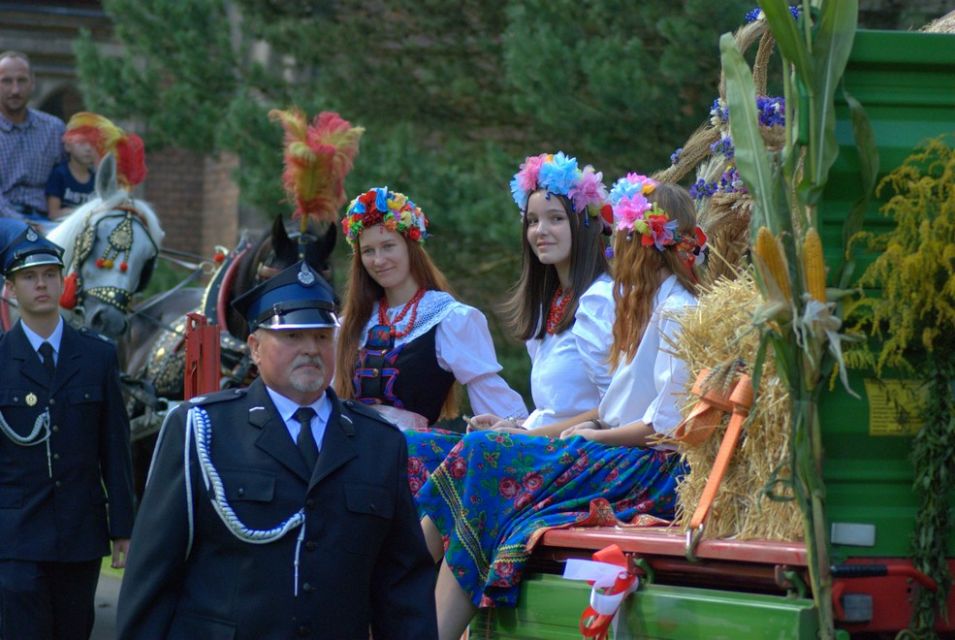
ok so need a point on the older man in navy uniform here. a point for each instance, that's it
(278, 511)
(64, 453)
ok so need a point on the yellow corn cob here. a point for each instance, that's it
(769, 249)
(814, 267)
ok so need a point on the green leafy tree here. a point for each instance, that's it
(452, 95)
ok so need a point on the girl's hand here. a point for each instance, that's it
(584, 429)
(483, 422)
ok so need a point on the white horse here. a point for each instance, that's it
(110, 248)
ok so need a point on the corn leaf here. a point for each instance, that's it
(831, 47)
(868, 172)
(788, 38)
(751, 158)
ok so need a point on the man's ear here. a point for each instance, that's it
(253, 342)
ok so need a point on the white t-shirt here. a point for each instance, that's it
(463, 346)
(570, 370)
(652, 387)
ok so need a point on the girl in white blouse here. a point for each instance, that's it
(562, 305)
(495, 493)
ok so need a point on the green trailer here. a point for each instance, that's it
(759, 589)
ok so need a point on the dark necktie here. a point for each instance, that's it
(306, 441)
(46, 351)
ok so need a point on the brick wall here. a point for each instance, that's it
(195, 198)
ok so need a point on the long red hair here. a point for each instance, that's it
(360, 298)
(639, 271)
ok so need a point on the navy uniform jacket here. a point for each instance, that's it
(63, 518)
(363, 560)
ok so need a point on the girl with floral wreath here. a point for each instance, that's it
(491, 499)
(404, 339)
(562, 305)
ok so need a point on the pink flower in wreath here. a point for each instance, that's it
(459, 468)
(533, 481)
(613, 475)
(415, 483)
(508, 487)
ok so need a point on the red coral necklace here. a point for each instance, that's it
(558, 305)
(411, 305)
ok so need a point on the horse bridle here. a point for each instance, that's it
(119, 240)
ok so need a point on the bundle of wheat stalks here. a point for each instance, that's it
(717, 332)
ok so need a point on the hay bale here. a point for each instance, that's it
(718, 331)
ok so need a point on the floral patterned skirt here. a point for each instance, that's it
(427, 448)
(495, 493)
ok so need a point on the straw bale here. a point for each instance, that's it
(945, 24)
(718, 331)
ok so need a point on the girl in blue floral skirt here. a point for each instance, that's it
(487, 504)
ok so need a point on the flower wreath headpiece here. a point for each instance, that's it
(559, 174)
(634, 214)
(381, 206)
(106, 137)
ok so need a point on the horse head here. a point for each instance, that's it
(110, 248)
(276, 250)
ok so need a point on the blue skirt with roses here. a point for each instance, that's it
(495, 493)
(427, 448)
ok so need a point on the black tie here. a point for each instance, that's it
(306, 441)
(46, 351)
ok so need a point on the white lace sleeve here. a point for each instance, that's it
(465, 348)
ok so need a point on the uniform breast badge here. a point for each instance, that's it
(30, 399)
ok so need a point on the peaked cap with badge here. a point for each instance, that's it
(297, 298)
(21, 247)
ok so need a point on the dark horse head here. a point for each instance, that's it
(278, 249)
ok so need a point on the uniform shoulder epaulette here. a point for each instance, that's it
(217, 396)
(89, 333)
(364, 410)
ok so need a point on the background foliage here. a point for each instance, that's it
(453, 96)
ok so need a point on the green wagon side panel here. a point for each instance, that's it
(906, 83)
(549, 608)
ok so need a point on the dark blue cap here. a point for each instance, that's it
(21, 247)
(296, 298)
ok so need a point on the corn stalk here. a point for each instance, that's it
(797, 320)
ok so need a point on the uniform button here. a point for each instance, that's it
(310, 504)
(303, 631)
(52, 402)
(308, 588)
(56, 456)
(311, 545)
(241, 491)
(58, 483)
(373, 507)
(56, 428)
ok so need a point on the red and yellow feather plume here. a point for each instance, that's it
(318, 156)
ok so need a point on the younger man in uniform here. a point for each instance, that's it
(64, 438)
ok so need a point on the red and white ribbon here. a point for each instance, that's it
(612, 581)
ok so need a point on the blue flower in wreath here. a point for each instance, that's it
(559, 175)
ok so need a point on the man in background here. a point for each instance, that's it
(30, 142)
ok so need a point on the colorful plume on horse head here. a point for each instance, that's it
(318, 156)
(106, 137)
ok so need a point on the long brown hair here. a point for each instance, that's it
(362, 293)
(527, 306)
(640, 270)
